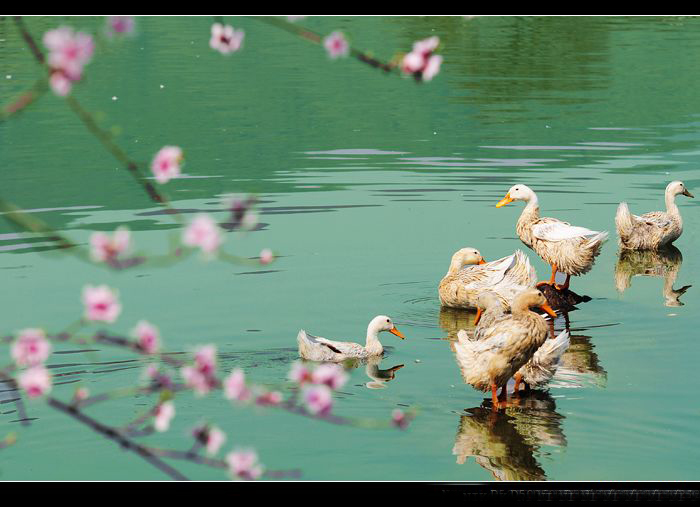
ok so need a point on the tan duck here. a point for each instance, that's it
(315, 348)
(506, 346)
(469, 275)
(567, 248)
(653, 230)
(540, 369)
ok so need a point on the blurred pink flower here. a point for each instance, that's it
(249, 220)
(421, 61)
(147, 337)
(105, 248)
(225, 39)
(60, 84)
(243, 464)
(318, 399)
(235, 387)
(330, 374)
(101, 303)
(68, 51)
(164, 413)
(266, 256)
(203, 232)
(81, 394)
(400, 419)
(299, 373)
(215, 439)
(36, 381)
(120, 24)
(336, 45)
(200, 377)
(269, 398)
(166, 163)
(31, 347)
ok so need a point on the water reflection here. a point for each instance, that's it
(507, 443)
(664, 263)
(451, 320)
(379, 377)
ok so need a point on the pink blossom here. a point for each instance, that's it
(166, 163)
(203, 232)
(81, 394)
(164, 413)
(68, 51)
(269, 398)
(147, 337)
(426, 46)
(330, 374)
(318, 399)
(31, 348)
(105, 248)
(36, 381)
(432, 67)
(400, 419)
(336, 45)
(200, 377)
(205, 359)
(299, 373)
(266, 256)
(235, 387)
(243, 464)
(120, 24)
(215, 439)
(101, 303)
(225, 39)
(249, 220)
(60, 84)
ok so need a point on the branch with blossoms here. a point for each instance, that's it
(310, 393)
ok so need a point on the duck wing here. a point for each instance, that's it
(551, 229)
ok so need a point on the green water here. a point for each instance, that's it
(368, 183)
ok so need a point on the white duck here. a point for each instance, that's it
(315, 348)
(567, 248)
(653, 230)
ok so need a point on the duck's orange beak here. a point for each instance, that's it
(398, 333)
(549, 310)
(478, 316)
(482, 261)
(505, 200)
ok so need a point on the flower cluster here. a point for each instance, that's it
(203, 232)
(101, 303)
(106, 248)
(31, 349)
(421, 62)
(336, 45)
(202, 375)
(318, 385)
(243, 464)
(69, 52)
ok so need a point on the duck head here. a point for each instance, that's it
(517, 192)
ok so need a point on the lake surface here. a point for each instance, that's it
(368, 183)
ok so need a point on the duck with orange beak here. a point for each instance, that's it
(315, 348)
(505, 346)
(567, 248)
(470, 275)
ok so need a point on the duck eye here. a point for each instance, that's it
(388, 320)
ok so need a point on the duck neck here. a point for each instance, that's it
(671, 207)
(455, 266)
(520, 308)
(372, 344)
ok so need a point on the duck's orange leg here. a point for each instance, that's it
(518, 379)
(494, 395)
(552, 279)
(566, 284)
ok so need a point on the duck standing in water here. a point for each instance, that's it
(567, 248)
(315, 348)
(470, 275)
(505, 346)
(653, 230)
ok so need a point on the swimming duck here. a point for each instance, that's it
(316, 348)
(653, 230)
(567, 248)
(505, 347)
(469, 275)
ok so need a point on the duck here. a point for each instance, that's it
(567, 248)
(653, 230)
(469, 275)
(315, 348)
(540, 369)
(506, 345)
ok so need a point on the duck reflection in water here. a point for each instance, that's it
(379, 377)
(507, 443)
(664, 263)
